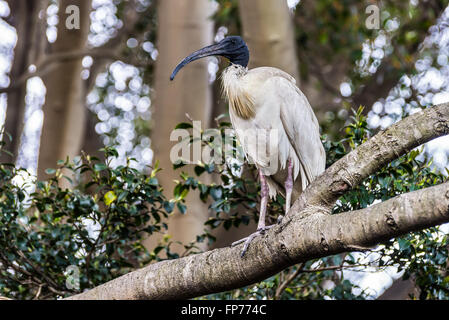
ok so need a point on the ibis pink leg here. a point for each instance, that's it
(263, 201)
(288, 186)
(261, 228)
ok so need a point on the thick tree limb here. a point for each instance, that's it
(301, 237)
(380, 150)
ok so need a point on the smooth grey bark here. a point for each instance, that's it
(21, 20)
(29, 48)
(64, 108)
(269, 32)
(183, 27)
(384, 147)
(309, 231)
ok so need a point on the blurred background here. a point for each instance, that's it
(68, 85)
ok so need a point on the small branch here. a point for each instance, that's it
(285, 284)
(388, 74)
(36, 268)
(353, 247)
(51, 61)
(332, 268)
(38, 293)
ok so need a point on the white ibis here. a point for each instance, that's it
(268, 99)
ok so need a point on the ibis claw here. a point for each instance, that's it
(279, 219)
(250, 238)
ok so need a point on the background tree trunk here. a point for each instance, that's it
(64, 108)
(184, 26)
(29, 47)
(269, 32)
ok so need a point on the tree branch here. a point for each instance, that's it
(48, 64)
(301, 237)
(290, 278)
(377, 152)
(404, 53)
(296, 241)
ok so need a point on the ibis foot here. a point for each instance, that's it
(279, 219)
(250, 238)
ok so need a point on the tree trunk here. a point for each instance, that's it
(184, 26)
(64, 108)
(269, 32)
(30, 35)
(92, 141)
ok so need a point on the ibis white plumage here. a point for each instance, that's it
(274, 123)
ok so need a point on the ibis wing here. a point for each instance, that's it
(300, 125)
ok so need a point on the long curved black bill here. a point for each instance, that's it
(213, 50)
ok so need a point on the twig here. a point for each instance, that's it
(292, 277)
(39, 290)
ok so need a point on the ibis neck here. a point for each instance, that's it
(240, 101)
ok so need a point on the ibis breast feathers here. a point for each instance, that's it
(239, 84)
(240, 100)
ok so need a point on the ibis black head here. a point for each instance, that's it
(232, 48)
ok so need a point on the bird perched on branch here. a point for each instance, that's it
(274, 123)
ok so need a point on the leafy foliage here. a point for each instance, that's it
(97, 227)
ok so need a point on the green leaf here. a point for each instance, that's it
(99, 167)
(216, 193)
(403, 244)
(109, 197)
(122, 196)
(199, 170)
(184, 125)
(153, 182)
(168, 206)
(50, 171)
(178, 165)
(182, 208)
(225, 124)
